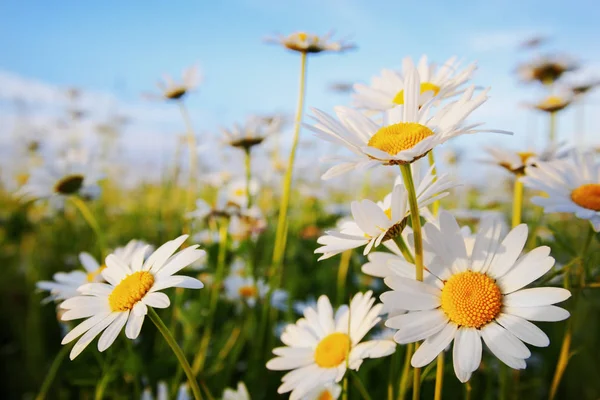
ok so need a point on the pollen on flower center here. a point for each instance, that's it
(69, 184)
(130, 290)
(425, 87)
(91, 276)
(247, 291)
(471, 299)
(587, 196)
(325, 395)
(397, 137)
(332, 350)
(525, 155)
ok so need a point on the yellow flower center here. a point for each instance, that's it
(397, 137)
(325, 395)
(69, 184)
(247, 291)
(587, 196)
(302, 36)
(239, 192)
(130, 290)
(471, 299)
(388, 213)
(332, 350)
(525, 155)
(425, 87)
(91, 276)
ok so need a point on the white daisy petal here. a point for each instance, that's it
(529, 268)
(111, 333)
(544, 313)
(467, 353)
(524, 330)
(94, 331)
(433, 346)
(534, 297)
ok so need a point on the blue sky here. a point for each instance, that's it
(122, 48)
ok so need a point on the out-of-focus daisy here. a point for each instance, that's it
(216, 179)
(410, 133)
(516, 162)
(553, 103)
(172, 90)
(252, 133)
(374, 223)
(246, 290)
(130, 289)
(248, 222)
(241, 393)
(546, 70)
(57, 181)
(321, 346)
(584, 87)
(309, 43)
(326, 392)
(572, 186)
(469, 298)
(235, 193)
(387, 90)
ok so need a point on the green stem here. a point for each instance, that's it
(439, 377)
(360, 386)
(436, 204)
(552, 131)
(248, 165)
(345, 388)
(178, 352)
(214, 297)
(404, 249)
(342, 275)
(517, 202)
(279, 249)
(404, 379)
(52, 372)
(416, 226)
(91, 221)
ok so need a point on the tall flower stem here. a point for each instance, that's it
(198, 363)
(552, 131)
(404, 379)
(517, 201)
(280, 235)
(192, 148)
(91, 221)
(178, 352)
(52, 372)
(418, 238)
(342, 275)
(248, 165)
(436, 204)
(439, 377)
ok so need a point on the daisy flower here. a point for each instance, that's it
(516, 162)
(546, 70)
(321, 346)
(309, 43)
(56, 181)
(387, 90)
(410, 133)
(131, 287)
(162, 392)
(552, 104)
(235, 193)
(252, 133)
(326, 392)
(240, 394)
(469, 298)
(571, 185)
(374, 223)
(242, 289)
(172, 90)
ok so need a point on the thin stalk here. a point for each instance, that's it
(91, 221)
(439, 377)
(342, 275)
(404, 249)
(52, 372)
(345, 388)
(436, 204)
(162, 328)
(247, 163)
(418, 239)
(404, 379)
(198, 363)
(517, 202)
(360, 386)
(279, 249)
(552, 131)
(192, 148)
